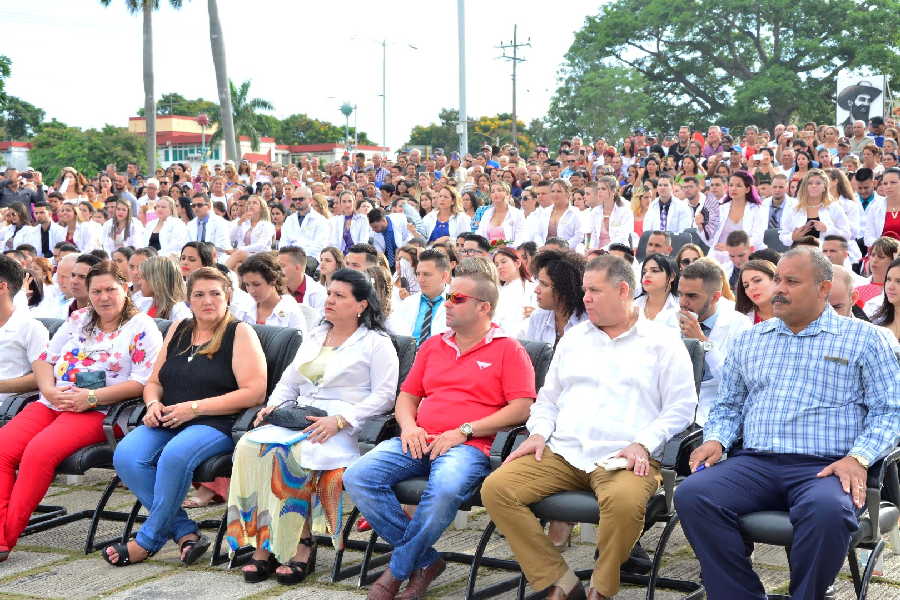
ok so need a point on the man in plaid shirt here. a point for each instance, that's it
(816, 398)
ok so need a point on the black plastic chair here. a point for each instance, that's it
(771, 240)
(410, 492)
(879, 517)
(582, 507)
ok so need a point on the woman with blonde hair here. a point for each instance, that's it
(319, 202)
(84, 234)
(70, 184)
(448, 220)
(162, 283)
(254, 231)
(816, 213)
(122, 228)
(501, 220)
(840, 188)
(167, 233)
(686, 255)
(611, 220)
(330, 260)
(641, 198)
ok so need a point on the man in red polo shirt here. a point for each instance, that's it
(465, 385)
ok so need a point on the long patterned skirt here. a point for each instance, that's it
(272, 497)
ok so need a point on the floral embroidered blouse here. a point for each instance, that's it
(126, 354)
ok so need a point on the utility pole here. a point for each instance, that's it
(516, 59)
(462, 128)
(384, 93)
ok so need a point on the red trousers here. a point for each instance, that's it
(34, 443)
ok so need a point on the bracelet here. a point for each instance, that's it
(341, 422)
(152, 402)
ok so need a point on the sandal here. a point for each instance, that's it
(124, 559)
(196, 549)
(299, 570)
(264, 569)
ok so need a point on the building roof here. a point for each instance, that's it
(332, 146)
(252, 157)
(12, 144)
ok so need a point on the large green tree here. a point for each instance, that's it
(19, 120)
(244, 111)
(4, 73)
(174, 103)
(492, 130)
(146, 8)
(736, 61)
(57, 146)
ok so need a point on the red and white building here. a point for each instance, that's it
(14, 154)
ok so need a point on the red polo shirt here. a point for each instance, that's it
(461, 388)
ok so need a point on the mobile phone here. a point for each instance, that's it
(726, 155)
(788, 134)
(757, 156)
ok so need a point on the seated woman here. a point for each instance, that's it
(101, 355)
(166, 233)
(886, 314)
(263, 278)
(253, 233)
(686, 255)
(187, 424)
(517, 300)
(348, 227)
(330, 260)
(163, 285)
(753, 296)
(287, 483)
(195, 255)
(560, 297)
(122, 229)
(659, 299)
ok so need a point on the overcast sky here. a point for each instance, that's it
(81, 62)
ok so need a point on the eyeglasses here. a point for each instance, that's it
(198, 204)
(460, 298)
(470, 251)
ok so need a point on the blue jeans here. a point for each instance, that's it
(452, 478)
(157, 466)
(711, 502)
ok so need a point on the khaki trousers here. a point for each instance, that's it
(622, 497)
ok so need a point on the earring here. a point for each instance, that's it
(358, 315)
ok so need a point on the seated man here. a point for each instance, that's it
(817, 400)
(22, 338)
(618, 386)
(465, 385)
(422, 314)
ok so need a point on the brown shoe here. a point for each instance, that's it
(385, 587)
(556, 593)
(595, 595)
(421, 579)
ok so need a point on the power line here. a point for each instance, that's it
(514, 45)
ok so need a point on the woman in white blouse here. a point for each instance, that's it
(448, 220)
(741, 210)
(122, 229)
(611, 220)
(517, 300)
(501, 220)
(167, 233)
(253, 233)
(347, 367)
(349, 226)
(85, 235)
(659, 299)
(816, 213)
(162, 283)
(263, 278)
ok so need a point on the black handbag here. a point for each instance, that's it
(293, 415)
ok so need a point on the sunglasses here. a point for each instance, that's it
(686, 261)
(460, 298)
(198, 205)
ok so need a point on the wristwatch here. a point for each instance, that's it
(92, 399)
(466, 430)
(195, 407)
(707, 346)
(861, 460)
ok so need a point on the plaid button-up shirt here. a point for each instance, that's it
(830, 390)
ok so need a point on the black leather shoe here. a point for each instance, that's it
(639, 562)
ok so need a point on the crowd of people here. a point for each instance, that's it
(778, 251)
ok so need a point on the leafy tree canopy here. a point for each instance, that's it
(729, 61)
(494, 130)
(174, 103)
(57, 146)
(19, 120)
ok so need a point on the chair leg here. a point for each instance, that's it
(854, 570)
(476, 559)
(658, 554)
(367, 558)
(98, 513)
(218, 557)
(870, 570)
(132, 519)
(339, 553)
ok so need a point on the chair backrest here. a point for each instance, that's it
(771, 239)
(52, 325)
(641, 252)
(311, 315)
(695, 239)
(312, 267)
(279, 345)
(406, 354)
(540, 354)
(698, 359)
(679, 240)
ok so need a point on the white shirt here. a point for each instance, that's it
(315, 294)
(398, 226)
(22, 339)
(513, 224)
(568, 227)
(287, 313)
(218, 232)
(312, 235)
(457, 224)
(360, 232)
(360, 381)
(32, 235)
(753, 223)
(402, 320)
(173, 235)
(679, 217)
(515, 296)
(619, 227)
(542, 325)
(873, 219)
(261, 236)
(833, 216)
(668, 316)
(602, 394)
(135, 235)
(728, 324)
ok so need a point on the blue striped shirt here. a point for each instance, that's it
(831, 390)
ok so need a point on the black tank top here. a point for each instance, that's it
(186, 380)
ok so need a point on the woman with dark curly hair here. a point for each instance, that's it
(560, 297)
(263, 278)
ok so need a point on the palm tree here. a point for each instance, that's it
(146, 7)
(246, 121)
(217, 44)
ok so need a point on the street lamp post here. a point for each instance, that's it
(203, 121)
(346, 110)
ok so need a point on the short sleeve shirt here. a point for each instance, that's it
(461, 388)
(126, 354)
(22, 340)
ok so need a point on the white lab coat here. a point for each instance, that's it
(172, 236)
(313, 235)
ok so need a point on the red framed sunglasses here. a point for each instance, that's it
(460, 298)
